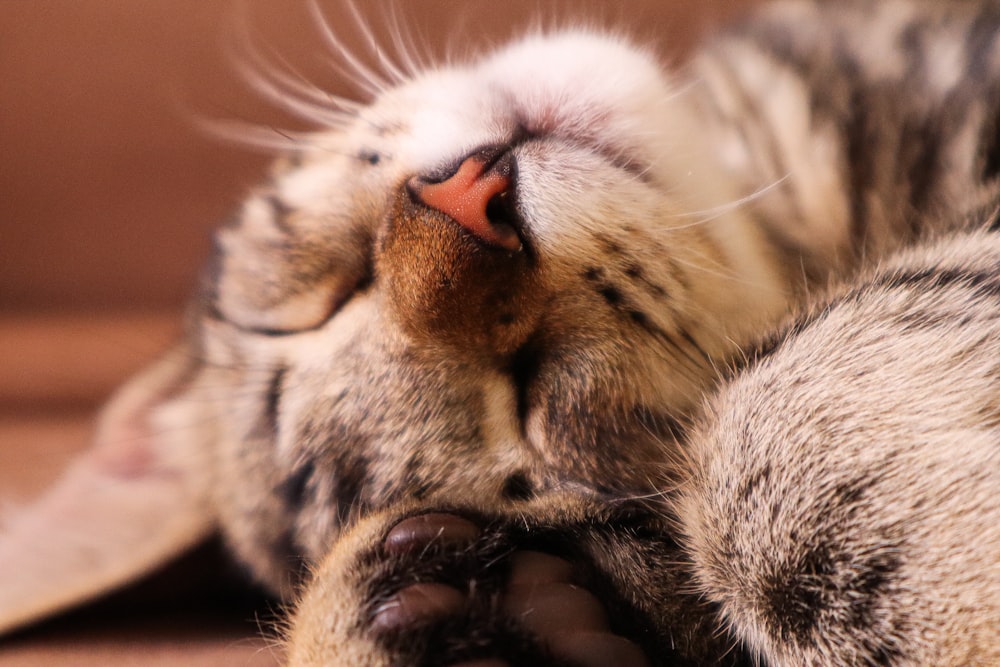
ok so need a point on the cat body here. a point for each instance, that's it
(500, 293)
(624, 301)
(834, 505)
(841, 501)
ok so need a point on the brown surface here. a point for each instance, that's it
(108, 193)
(55, 360)
(190, 639)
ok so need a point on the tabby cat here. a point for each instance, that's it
(554, 357)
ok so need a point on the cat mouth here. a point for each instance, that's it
(480, 195)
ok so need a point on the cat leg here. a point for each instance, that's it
(562, 580)
(842, 498)
(137, 498)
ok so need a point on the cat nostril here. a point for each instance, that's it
(476, 196)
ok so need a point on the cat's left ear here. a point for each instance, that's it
(136, 499)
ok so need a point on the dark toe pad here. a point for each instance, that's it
(462, 580)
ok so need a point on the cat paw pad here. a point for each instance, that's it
(459, 570)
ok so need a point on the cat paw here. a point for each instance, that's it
(475, 595)
(448, 589)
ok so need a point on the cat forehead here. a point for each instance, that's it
(572, 65)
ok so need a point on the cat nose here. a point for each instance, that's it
(476, 196)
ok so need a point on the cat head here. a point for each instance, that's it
(492, 280)
(484, 275)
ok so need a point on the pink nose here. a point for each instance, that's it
(465, 196)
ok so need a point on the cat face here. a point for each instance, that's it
(498, 279)
(384, 336)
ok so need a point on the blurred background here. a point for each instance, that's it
(108, 187)
(109, 192)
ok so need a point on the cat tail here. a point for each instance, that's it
(137, 498)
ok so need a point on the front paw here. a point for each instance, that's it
(472, 592)
(460, 590)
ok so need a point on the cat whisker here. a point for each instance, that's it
(714, 213)
(287, 80)
(414, 56)
(280, 83)
(395, 73)
(265, 138)
(345, 62)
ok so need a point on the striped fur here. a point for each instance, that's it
(355, 356)
(782, 163)
(840, 497)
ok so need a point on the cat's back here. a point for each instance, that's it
(873, 119)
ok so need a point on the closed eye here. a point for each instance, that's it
(372, 158)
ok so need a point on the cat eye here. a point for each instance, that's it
(371, 157)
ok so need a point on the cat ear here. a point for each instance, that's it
(136, 499)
